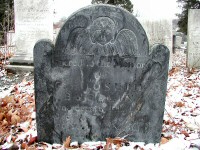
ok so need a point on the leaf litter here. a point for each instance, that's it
(181, 123)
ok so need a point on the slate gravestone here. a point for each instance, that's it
(99, 79)
(193, 37)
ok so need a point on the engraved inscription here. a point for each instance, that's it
(103, 61)
(33, 21)
(101, 79)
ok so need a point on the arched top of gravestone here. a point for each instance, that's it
(101, 30)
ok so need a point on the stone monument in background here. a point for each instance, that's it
(159, 31)
(100, 79)
(33, 21)
(193, 49)
(178, 41)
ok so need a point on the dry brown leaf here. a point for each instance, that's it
(9, 99)
(29, 83)
(164, 140)
(108, 145)
(14, 138)
(173, 70)
(30, 99)
(16, 90)
(15, 119)
(117, 141)
(3, 103)
(187, 95)
(2, 116)
(8, 118)
(10, 112)
(32, 139)
(24, 110)
(67, 142)
(24, 145)
(179, 104)
(20, 101)
(185, 133)
(6, 100)
(4, 123)
(137, 146)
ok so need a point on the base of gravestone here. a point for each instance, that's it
(20, 68)
(19, 58)
(20, 63)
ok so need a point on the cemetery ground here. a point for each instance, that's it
(181, 124)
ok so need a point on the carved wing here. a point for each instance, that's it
(43, 88)
(160, 53)
(79, 42)
(157, 66)
(126, 43)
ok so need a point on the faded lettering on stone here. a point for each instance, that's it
(102, 81)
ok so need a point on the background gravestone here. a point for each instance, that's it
(193, 49)
(178, 41)
(33, 21)
(99, 79)
(159, 31)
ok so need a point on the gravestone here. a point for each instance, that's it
(193, 49)
(10, 36)
(99, 80)
(159, 31)
(33, 21)
(178, 41)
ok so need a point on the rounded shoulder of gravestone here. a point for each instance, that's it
(101, 30)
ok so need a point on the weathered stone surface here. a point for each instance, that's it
(193, 51)
(159, 31)
(178, 41)
(33, 21)
(99, 79)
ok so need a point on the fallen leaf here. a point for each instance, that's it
(14, 138)
(4, 123)
(163, 140)
(29, 83)
(185, 133)
(67, 142)
(137, 146)
(15, 119)
(173, 70)
(32, 139)
(1, 116)
(117, 141)
(8, 118)
(108, 145)
(179, 104)
(24, 145)
(187, 95)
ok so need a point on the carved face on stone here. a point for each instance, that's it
(101, 30)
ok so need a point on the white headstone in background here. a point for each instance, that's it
(193, 50)
(159, 31)
(33, 21)
(178, 41)
(11, 38)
